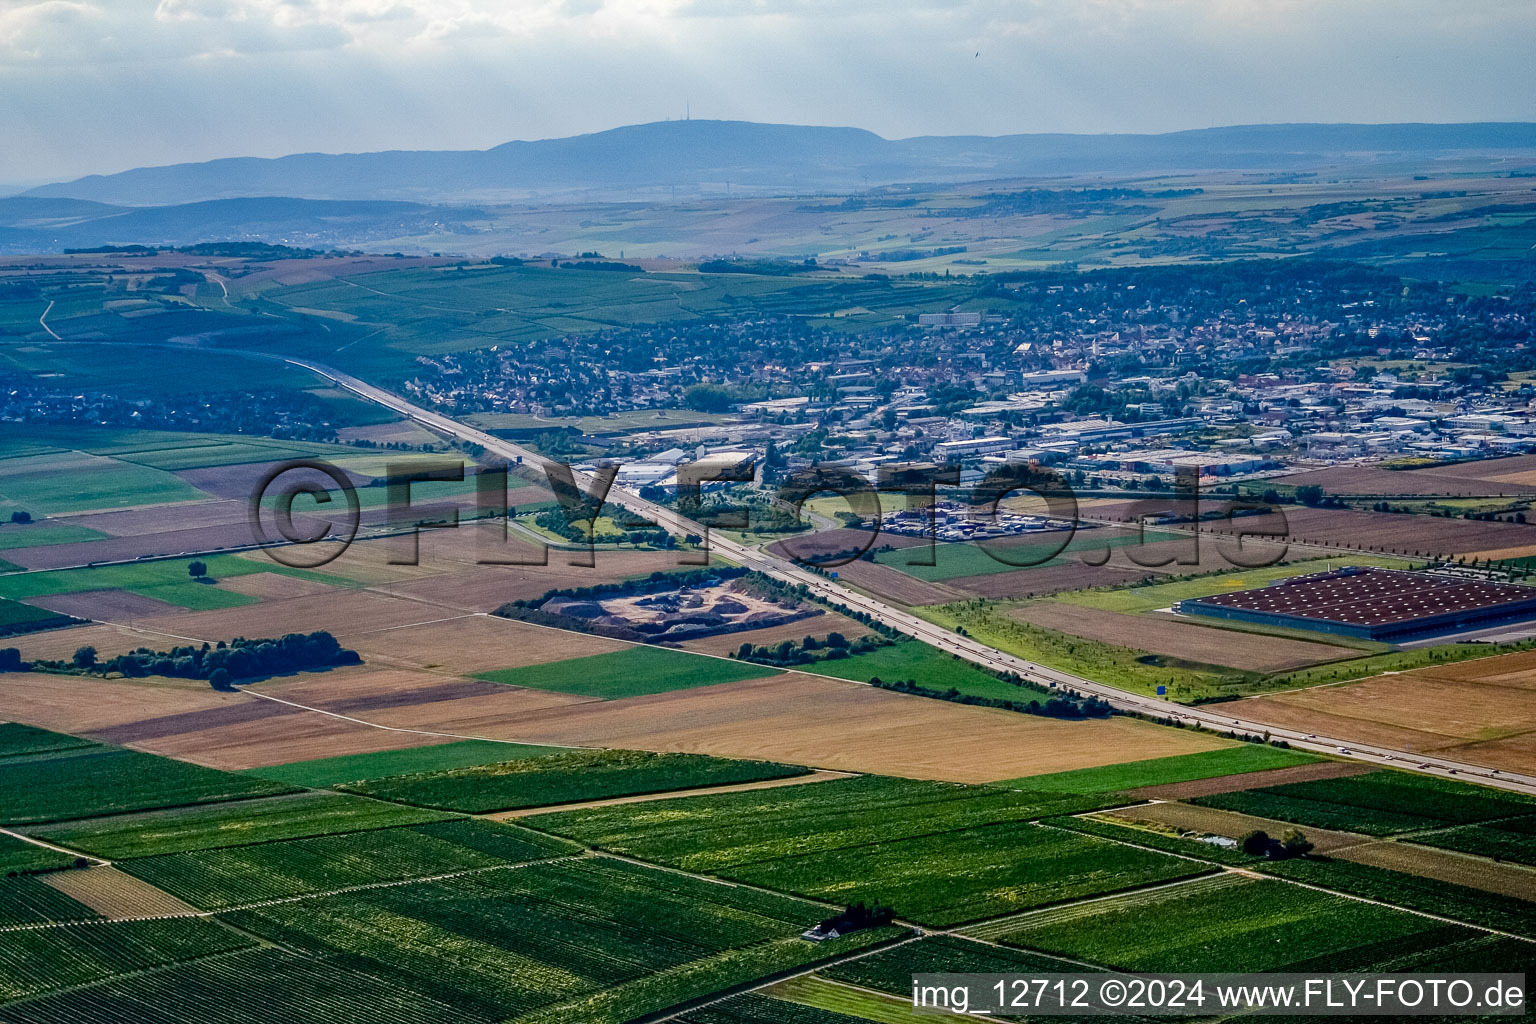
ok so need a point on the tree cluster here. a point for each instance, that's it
(220, 664)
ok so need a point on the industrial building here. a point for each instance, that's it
(1390, 605)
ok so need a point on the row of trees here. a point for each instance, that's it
(787, 652)
(1259, 843)
(220, 664)
(1060, 705)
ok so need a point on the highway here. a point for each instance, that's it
(1219, 717)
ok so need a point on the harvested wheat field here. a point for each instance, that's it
(470, 643)
(86, 704)
(1516, 670)
(1458, 868)
(1047, 579)
(108, 639)
(418, 700)
(1252, 780)
(293, 735)
(1179, 639)
(1457, 710)
(817, 626)
(825, 723)
(117, 895)
(342, 612)
(1214, 821)
(274, 586)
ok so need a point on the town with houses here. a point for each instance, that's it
(1114, 383)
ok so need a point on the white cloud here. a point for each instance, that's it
(100, 85)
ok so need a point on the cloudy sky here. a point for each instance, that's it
(102, 85)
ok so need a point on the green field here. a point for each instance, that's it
(891, 970)
(1382, 802)
(28, 900)
(969, 558)
(1513, 839)
(595, 941)
(756, 1009)
(329, 771)
(19, 857)
(16, 617)
(141, 372)
(988, 870)
(289, 989)
(566, 777)
(165, 580)
(633, 672)
(1234, 924)
(1444, 899)
(876, 839)
(928, 666)
(1161, 771)
(37, 535)
(41, 960)
(16, 738)
(236, 875)
(59, 484)
(108, 780)
(832, 1002)
(234, 824)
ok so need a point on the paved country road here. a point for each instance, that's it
(1209, 716)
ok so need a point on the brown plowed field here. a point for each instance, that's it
(823, 723)
(148, 730)
(300, 736)
(162, 518)
(1252, 780)
(240, 480)
(427, 700)
(893, 584)
(1179, 639)
(1048, 579)
(475, 643)
(810, 546)
(1515, 475)
(1512, 880)
(115, 894)
(1379, 531)
(109, 605)
(168, 542)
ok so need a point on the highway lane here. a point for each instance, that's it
(1221, 717)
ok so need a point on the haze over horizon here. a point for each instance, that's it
(99, 88)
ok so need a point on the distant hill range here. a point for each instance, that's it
(639, 160)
